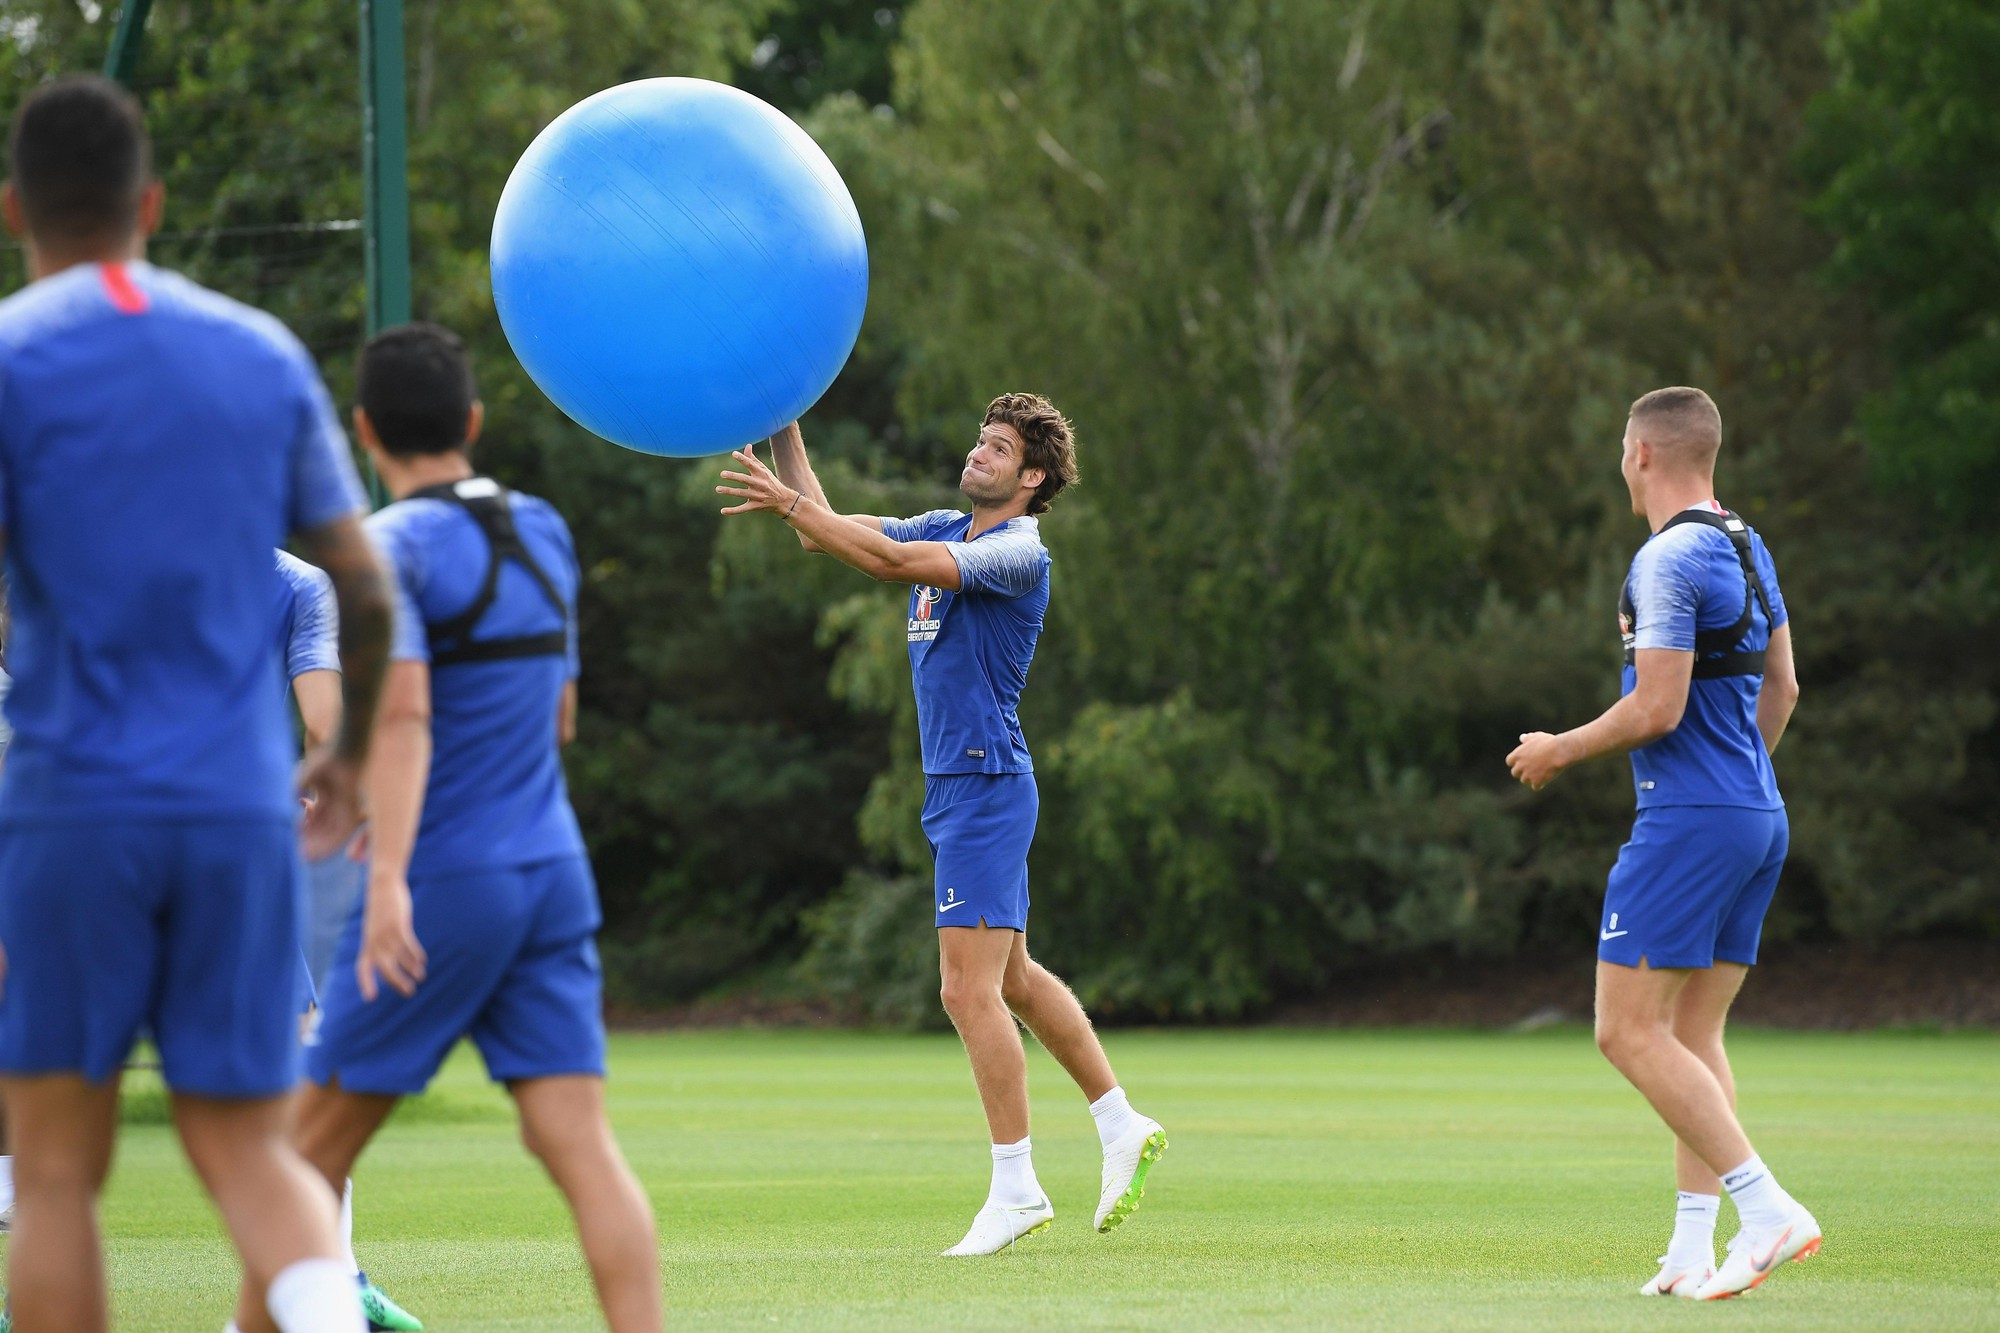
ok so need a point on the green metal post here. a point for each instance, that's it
(122, 60)
(385, 163)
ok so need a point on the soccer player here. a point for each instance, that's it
(308, 629)
(1708, 689)
(480, 914)
(157, 441)
(979, 588)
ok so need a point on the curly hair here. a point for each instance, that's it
(1049, 442)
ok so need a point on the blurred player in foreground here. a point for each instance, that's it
(481, 914)
(156, 442)
(308, 630)
(979, 589)
(1708, 689)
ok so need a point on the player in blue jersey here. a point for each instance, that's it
(979, 588)
(480, 915)
(157, 441)
(1708, 689)
(308, 629)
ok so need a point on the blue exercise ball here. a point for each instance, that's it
(678, 266)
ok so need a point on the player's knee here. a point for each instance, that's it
(60, 1175)
(1017, 988)
(1620, 1038)
(962, 994)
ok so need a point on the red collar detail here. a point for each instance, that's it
(125, 295)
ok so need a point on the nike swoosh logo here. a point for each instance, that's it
(1026, 1208)
(1776, 1245)
(946, 907)
(1611, 934)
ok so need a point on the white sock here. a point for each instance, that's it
(230, 1327)
(1014, 1183)
(1114, 1116)
(1693, 1245)
(315, 1296)
(347, 1227)
(6, 1183)
(1760, 1201)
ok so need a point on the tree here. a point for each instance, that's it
(1901, 153)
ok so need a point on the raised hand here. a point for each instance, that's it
(756, 486)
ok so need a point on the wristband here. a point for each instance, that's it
(796, 497)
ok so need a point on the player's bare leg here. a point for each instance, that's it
(62, 1127)
(1698, 1018)
(1636, 1009)
(1635, 1030)
(328, 1129)
(1700, 1013)
(1050, 1010)
(972, 965)
(279, 1214)
(563, 1122)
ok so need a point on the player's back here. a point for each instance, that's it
(1688, 580)
(157, 440)
(496, 794)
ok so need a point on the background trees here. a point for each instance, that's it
(1347, 301)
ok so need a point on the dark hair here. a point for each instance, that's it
(80, 158)
(1048, 442)
(415, 383)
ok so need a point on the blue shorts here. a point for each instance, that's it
(511, 963)
(980, 826)
(1692, 886)
(188, 929)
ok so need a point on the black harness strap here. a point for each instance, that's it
(1716, 652)
(451, 639)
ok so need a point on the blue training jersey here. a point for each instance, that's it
(1683, 579)
(157, 442)
(496, 795)
(308, 620)
(970, 650)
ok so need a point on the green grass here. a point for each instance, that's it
(1363, 1180)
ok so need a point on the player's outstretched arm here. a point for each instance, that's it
(851, 541)
(788, 456)
(1650, 711)
(1779, 693)
(399, 765)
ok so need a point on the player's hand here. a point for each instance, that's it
(1537, 760)
(389, 948)
(756, 486)
(331, 787)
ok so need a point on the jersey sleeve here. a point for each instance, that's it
(409, 640)
(315, 640)
(1006, 564)
(921, 528)
(1767, 572)
(325, 486)
(1666, 593)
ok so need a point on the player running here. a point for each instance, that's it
(308, 630)
(481, 913)
(979, 588)
(157, 441)
(1708, 689)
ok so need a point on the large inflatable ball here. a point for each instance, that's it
(678, 266)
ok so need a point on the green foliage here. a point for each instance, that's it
(1902, 154)
(1348, 301)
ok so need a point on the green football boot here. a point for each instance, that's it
(384, 1315)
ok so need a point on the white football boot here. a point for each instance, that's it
(998, 1226)
(1670, 1281)
(1751, 1258)
(1127, 1162)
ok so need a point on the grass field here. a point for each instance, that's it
(1359, 1180)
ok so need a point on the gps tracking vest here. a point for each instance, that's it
(1715, 650)
(451, 640)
